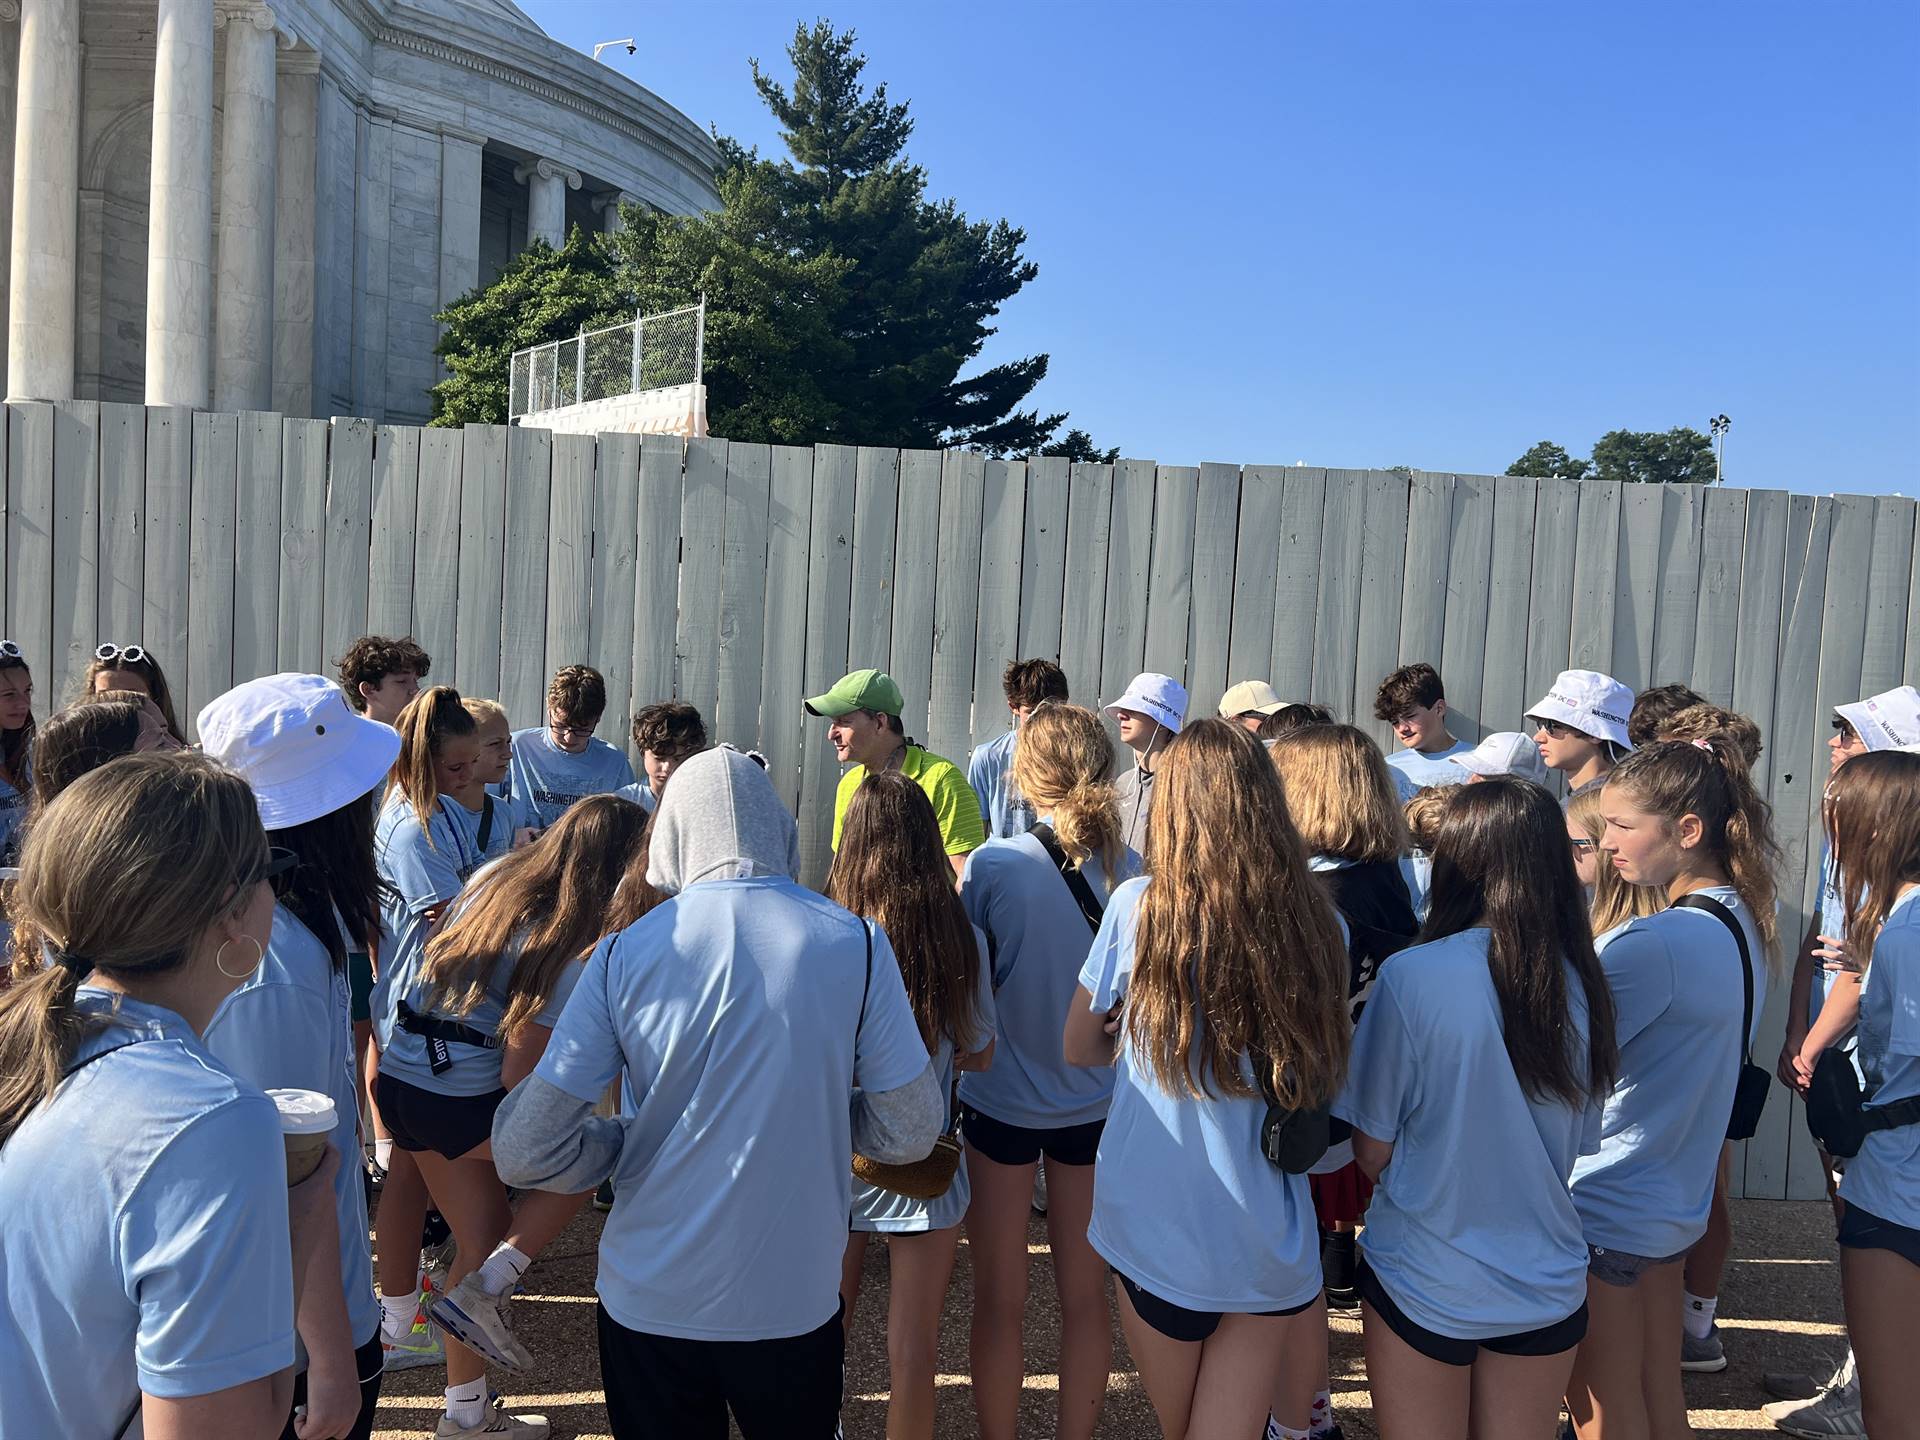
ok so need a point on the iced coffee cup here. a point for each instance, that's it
(307, 1119)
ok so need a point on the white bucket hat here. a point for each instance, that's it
(1507, 752)
(1587, 701)
(1886, 721)
(296, 742)
(1158, 697)
(1250, 695)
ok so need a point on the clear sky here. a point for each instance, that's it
(1416, 233)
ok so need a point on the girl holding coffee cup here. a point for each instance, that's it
(176, 1253)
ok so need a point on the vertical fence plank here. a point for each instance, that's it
(743, 598)
(123, 508)
(1429, 527)
(436, 549)
(1596, 578)
(163, 620)
(396, 489)
(349, 518)
(1043, 560)
(703, 523)
(1503, 692)
(1463, 644)
(303, 520)
(1296, 583)
(1636, 585)
(1383, 573)
(483, 540)
(1723, 534)
(829, 591)
(1556, 512)
(523, 576)
(1336, 617)
(1083, 581)
(1676, 621)
(30, 532)
(1759, 632)
(570, 523)
(76, 542)
(1170, 572)
(1911, 670)
(610, 629)
(1123, 642)
(216, 456)
(876, 497)
(1210, 627)
(782, 689)
(1256, 548)
(656, 572)
(956, 604)
(917, 561)
(996, 639)
(256, 575)
(1883, 653)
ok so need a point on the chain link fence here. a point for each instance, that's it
(653, 352)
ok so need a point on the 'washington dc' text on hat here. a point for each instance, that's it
(1587, 701)
(1158, 697)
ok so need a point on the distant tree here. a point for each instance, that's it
(1547, 459)
(1405, 471)
(1076, 444)
(1680, 456)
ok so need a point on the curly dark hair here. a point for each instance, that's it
(671, 729)
(372, 658)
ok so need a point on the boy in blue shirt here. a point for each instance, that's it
(1027, 684)
(1413, 701)
(667, 735)
(560, 762)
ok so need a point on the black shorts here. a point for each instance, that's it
(360, 986)
(418, 1119)
(1860, 1230)
(1554, 1339)
(1176, 1322)
(1006, 1144)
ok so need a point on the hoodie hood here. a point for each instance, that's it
(720, 820)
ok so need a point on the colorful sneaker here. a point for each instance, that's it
(434, 1260)
(419, 1347)
(1703, 1355)
(495, 1422)
(480, 1322)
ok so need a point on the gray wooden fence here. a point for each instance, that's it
(743, 577)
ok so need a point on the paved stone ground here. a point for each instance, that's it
(1780, 1310)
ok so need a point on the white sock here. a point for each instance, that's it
(383, 1154)
(501, 1270)
(1696, 1313)
(396, 1315)
(1277, 1431)
(1320, 1418)
(467, 1404)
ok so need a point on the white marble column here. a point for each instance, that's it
(180, 208)
(547, 184)
(46, 197)
(608, 203)
(459, 213)
(249, 151)
(297, 186)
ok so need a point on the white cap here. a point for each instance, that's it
(1587, 701)
(1250, 695)
(1506, 753)
(293, 738)
(1158, 697)
(1885, 721)
(304, 1112)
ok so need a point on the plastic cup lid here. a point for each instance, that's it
(303, 1112)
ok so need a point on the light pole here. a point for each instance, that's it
(1718, 427)
(609, 44)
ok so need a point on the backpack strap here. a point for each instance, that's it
(1083, 896)
(486, 822)
(1725, 916)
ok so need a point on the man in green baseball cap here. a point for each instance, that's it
(864, 710)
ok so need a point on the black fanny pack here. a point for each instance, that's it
(1837, 1112)
(439, 1034)
(1294, 1141)
(1750, 1091)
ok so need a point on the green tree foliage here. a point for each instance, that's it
(1680, 456)
(1076, 444)
(1549, 459)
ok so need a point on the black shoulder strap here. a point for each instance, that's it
(1725, 916)
(486, 822)
(866, 928)
(1082, 892)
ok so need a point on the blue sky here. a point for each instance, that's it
(1409, 233)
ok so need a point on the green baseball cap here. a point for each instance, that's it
(862, 690)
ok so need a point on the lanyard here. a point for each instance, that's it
(466, 867)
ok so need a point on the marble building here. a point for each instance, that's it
(249, 205)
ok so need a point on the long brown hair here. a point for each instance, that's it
(122, 874)
(1062, 756)
(1615, 902)
(430, 719)
(1707, 777)
(1237, 949)
(1340, 793)
(550, 899)
(891, 868)
(17, 745)
(150, 673)
(1873, 820)
(1501, 859)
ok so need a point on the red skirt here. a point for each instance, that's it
(1341, 1195)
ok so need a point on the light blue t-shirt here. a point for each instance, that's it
(1184, 1203)
(1438, 768)
(1471, 1230)
(476, 1069)
(1416, 868)
(1677, 999)
(424, 868)
(543, 780)
(1884, 1178)
(883, 1211)
(290, 1028)
(145, 1246)
(735, 1010)
(1833, 921)
(640, 793)
(1012, 890)
(990, 772)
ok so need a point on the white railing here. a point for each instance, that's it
(652, 352)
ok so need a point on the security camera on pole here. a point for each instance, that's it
(1718, 427)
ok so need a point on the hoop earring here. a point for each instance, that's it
(259, 955)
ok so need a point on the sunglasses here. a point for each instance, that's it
(1581, 847)
(110, 651)
(277, 871)
(1844, 727)
(1557, 730)
(11, 651)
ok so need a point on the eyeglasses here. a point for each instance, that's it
(1582, 847)
(110, 651)
(567, 732)
(11, 651)
(277, 872)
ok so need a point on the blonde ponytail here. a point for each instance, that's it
(431, 718)
(1062, 761)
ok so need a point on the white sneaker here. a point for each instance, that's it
(495, 1422)
(480, 1322)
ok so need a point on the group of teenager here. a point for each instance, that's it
(1263, 1019)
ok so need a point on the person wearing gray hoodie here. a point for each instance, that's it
(746, 1012)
